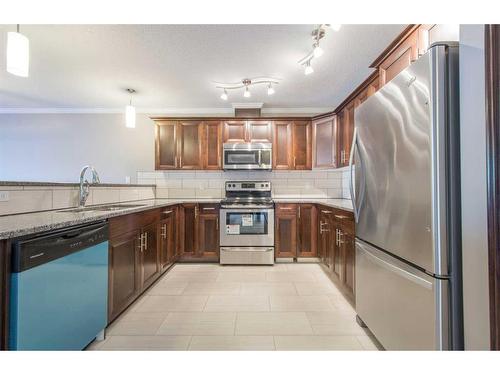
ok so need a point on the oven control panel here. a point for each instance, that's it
(248, 186)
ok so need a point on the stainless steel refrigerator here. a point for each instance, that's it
(406, 201)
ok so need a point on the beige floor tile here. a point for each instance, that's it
(213, 288)
(260, 268)
(232, 343)
(237, 303)
(290, 276)
(133, 323)
(167, 288)
(268, 289)
(146, 343)
(341, 303)
(196, 267)
(308, 267)
(317, 343)
(300, 303)
(273, 323)
(369, 343)
(198, 323)
(317, 289)
(171, 303)
(242, 276)
(192, 276)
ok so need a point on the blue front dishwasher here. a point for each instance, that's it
(59, 289)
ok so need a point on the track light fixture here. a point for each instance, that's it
(317, 34)
(246, 84)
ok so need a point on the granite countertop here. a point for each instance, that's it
(12, 226)
(68, 184)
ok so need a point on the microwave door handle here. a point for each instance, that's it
(260, 158)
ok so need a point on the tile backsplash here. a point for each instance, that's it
(210, 184)
(30, 198)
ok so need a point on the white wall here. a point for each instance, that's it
(54, 147)
(474, 206)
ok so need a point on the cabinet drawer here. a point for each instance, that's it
(286, 208)
(209, 208)
(124, 224)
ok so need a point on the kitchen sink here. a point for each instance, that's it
(109, 207)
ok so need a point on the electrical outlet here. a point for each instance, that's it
(4, 196)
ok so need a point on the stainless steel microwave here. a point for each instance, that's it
(247, 156)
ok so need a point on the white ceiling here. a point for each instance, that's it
(173, 67)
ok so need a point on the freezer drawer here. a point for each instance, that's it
(403, 307)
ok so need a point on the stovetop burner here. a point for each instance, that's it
(248, 194)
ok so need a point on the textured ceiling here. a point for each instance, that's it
(174, 66)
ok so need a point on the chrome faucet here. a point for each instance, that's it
(84, 184)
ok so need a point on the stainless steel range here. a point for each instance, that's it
(247, 223)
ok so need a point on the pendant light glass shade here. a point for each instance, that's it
(308, 69)
(130, 116)
(318, 51)
(247, 93)
(223, 96)
(18, 54)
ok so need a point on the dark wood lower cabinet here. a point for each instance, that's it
(150, 256)
(285, 232)
(168, 238)
(307, 245)
(349, 256)
(124, 273)
(296, 230)
(199, 227)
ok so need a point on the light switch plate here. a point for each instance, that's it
(4, 196)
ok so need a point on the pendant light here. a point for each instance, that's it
(317, 51)
(223, 96)
(18, 53)
(130, 112)
(247, 93)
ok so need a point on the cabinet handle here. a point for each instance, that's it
(294, 161)
(176, 162)
(164, 231)
(195, 212)
(337, 237)
(217, 223)
(299, 212)
(285, 208)
(341, 235)
(146, 241)
(208, 208)
(321, 230)
(340, 217)
(140, 242)
(180, 161)
(326, 212)
(168, 212)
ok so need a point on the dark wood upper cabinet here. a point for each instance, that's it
(301, 145)
(345, 131)
(166, 144)
(282, 145)
(150, 256)
(325, 142)
(307, 230)
(212, 141)
(124, 272)
(235, 131)
(190, 144)
(259, 131)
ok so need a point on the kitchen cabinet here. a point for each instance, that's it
(124, 273)
(285, 230)
(307, 231)
(301, 145)
(199, 228)
(325, 142)
(179, 144)
(325, 236)
(134, 258)
(346, 131)
(370, 87)
(168, 237)
(247, 131)
(348, 249)
(282, 145)
(212, 145)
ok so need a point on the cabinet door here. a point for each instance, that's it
(301, 150)
(259, 131)
(189, 145)
(166, 145)
(346, 132)
(212, 141)
(150, 259)
(282, 145)
(337, 252)
(286, 231)
(189, 230)
(324, 142)
(399, 59)
(307, 231)
(208, 238)
(167, 240)
(349, 266)
(235, 131)
(124, 273)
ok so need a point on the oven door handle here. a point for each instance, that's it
(251, 249)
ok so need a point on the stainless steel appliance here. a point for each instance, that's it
(406, 206)
(247, 223)
(247, 156)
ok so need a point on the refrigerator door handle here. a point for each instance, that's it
(356, 209)
(399, 271)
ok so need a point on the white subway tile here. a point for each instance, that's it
(236, 175)
(300, 183)
(314, 175)
(335, 193)
(181, 193)
(64, 198)
(147, 193)
(335, 175)
(162, 193)
(208, 193)
(169, 182)
(286, 192)
(216, 184)
(129, 194)
(194, 184)
(182, 175)
(313, 193)
(328, 183)
(103, 195)
(146, 181)
(26, 201)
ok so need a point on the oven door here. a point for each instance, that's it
(246, 227)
